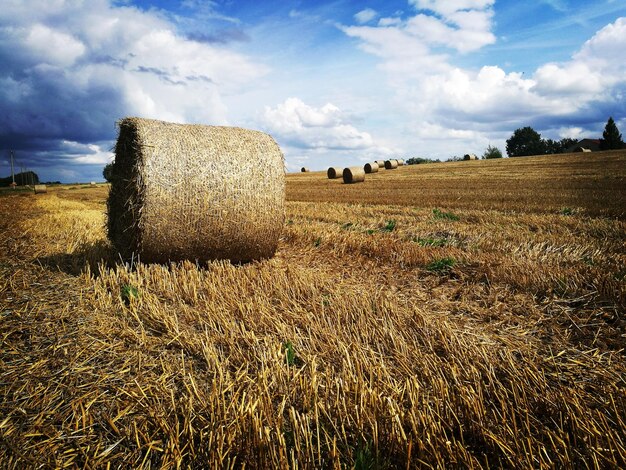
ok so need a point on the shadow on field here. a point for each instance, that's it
(87, 256)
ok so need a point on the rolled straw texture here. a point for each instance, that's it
(381, 163)
(371, 167)
(391, 164)
(195, 192)
(354, 174)
(40, 189)
(400, 162)
(334, 172)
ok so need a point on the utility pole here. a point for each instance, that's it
(12, 172)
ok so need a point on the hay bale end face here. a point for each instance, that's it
(195, 192)
(40, 189)
(304, 170)
(354, 174)
(391, 164)
(470, 156)
(371, 167)
(334, 172)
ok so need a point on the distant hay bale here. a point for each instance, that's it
(195, 192)
(470, 156)
(304, 170)
(381, 163)
(582, 149)
(92, 183)
(371, 167)
(41, 189)
(354, 174)
(391, 164)
(400, 162)
(334, 172)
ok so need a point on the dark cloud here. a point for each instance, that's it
(162, 74)
(222, 36)
(46, 104)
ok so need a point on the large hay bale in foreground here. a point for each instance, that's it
(391, 164)
(354, 174)
(371, 167)
(40, 189)
(334, 172)
(195, 192)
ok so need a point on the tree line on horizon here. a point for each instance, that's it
(526, 141)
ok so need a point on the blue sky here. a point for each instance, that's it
(334, 82)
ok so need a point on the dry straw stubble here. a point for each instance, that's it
(371, 167)
(186, 191)
(353, 174)
(391, 164)
(334, 172)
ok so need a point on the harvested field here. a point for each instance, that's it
(476, 322)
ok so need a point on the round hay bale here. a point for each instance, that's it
(470, 156)
(391, 164)
(41, 189)
(334, 172)
(582, 149)
(381, 163)
(371, 167)
(304, 170)
(400, 162)
(195, 192)
(92, 183)
(354, 174)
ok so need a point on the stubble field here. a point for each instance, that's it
(467, 315)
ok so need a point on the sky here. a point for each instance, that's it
(335, 82)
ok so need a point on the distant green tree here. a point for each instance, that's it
(566, 143)
(525, 141)
(418, 160)
(558, 146)
(108, 172)
(611, 137)
(492, 152)
(552, 146)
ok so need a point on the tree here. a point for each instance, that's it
(108, 172)
(611, 137)
(525, 141)
(418, 160)
(492, 152)
(565, 143)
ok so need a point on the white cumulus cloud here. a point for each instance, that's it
(365, 16)
(304, 126)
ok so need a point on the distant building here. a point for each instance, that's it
(591, 145)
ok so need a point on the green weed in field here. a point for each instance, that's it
(441, 265)
(438, 214)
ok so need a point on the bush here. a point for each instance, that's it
(492, 152)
